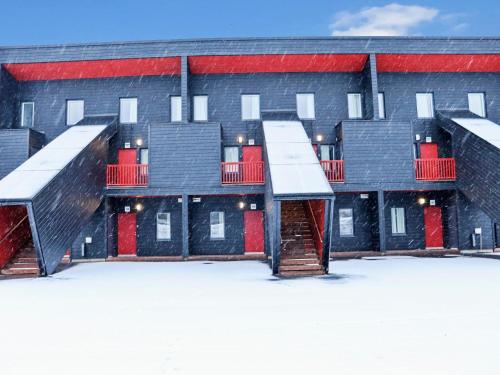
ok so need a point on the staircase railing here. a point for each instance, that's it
(317, 237)
(8, 250)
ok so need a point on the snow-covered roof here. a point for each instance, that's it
(27, 180)
(483, 128)
(293, 165)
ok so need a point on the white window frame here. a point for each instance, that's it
(330, 149)
(74, 114)
(167, 236)
(425, 105)
(250, 107)
(354, 106)
(175, 108)
(23, 125)
(132, 113)
(381, 106)
(398, 221)
(482, 111)
(200, 114)
(144, 154)
(217, 230)
(305, 103)
(231, 152)
(350, 222)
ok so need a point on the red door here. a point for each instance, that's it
(127, 238)
(428, 151)
(127, 156)
(433, 227)
(254, 231)
(127, 172)
(254, 171)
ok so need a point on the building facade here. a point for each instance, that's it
(202, 149)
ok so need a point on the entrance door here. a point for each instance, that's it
(252, 172)
(127, 236)
(428, 151)
(254, 231)
(433, 222)
(127, 156)
(127, 172)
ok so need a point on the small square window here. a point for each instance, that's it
(477, 104)
(381, 105)
(250, 107)
(398, 221)
(163, 228)
(425, 105)
(175, 109)
(200, 108)
(346, 222)
(305, 106)
(216, 225)
(27, 114)
(74, 111)
(355, 110)
(128, 110)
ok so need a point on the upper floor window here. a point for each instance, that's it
(175, 109)
(398, 224)
(477, 103)
(200, 108)
(74, 111)
(381, 105)
(250, 107)
(354, 107)
(163, 228)
(346, 222)
(305, 106)
(425, 105)
(128, 110)
(27, 114)
(216, 225)
(144, 156)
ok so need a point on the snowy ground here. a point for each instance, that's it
(390, 316)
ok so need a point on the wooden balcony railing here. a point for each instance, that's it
(121, 175)
(442, 169)
(334, 170)
(242, 173)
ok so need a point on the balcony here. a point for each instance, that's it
(442, 169)
(242, 173)
(127, 175)
(334, 170)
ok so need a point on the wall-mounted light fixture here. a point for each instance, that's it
(139, 207)
(241, 205)
(319, 137)
(240, 139)
(139, 142)
(421, 201)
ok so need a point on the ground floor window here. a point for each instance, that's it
(163, 228)
(398, 220)
(216, 225)
(346, 222)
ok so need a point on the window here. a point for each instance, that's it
(477, 103)
(144, 156)
(305, 106)
(250, 107)
(27, 114)
(381, 105)
(354, 106)
(398, 220)
(346, 223)
(231, 155)
(327, 152)
(163, 231)
(128, 110)
(74, 111)
(175, 108)
(200, 104)
(425, 105)
(216, 225)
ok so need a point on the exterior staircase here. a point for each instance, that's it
(298, 254)
(24, 263)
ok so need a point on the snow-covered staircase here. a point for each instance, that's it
(298, 254)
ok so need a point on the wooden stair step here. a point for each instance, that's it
(300, 267)
(301, 273)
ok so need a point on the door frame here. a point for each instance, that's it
(427, 231)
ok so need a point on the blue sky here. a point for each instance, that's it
(49, 21)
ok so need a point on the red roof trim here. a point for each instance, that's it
(284, 63)
(439, 63)
(152, 66)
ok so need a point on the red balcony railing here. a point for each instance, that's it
(442, 169)
(242, 173)
(334, 170)
(127, 175)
